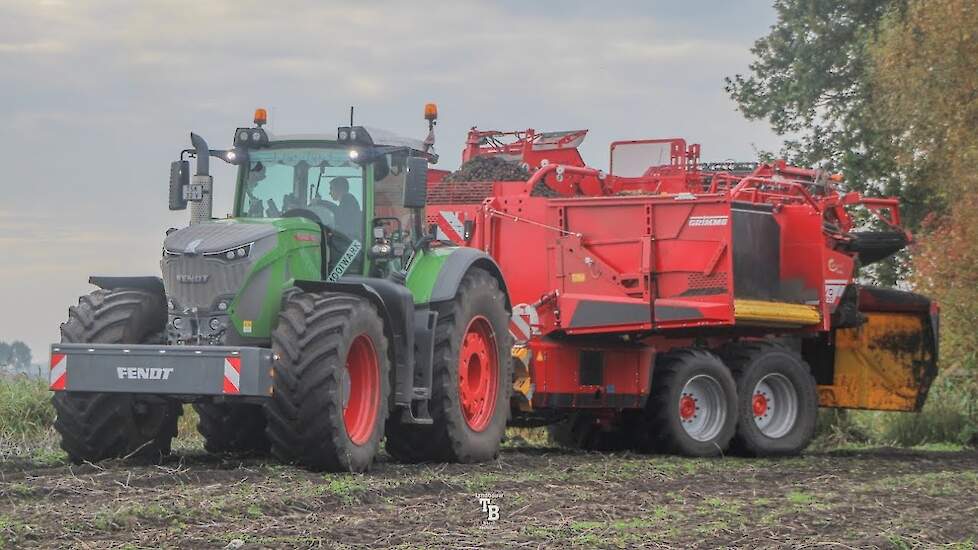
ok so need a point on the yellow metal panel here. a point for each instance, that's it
(523, 386)
(885, 364)
(778, 313)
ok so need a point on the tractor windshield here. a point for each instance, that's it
(322, 181)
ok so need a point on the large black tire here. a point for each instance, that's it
(450, 438)
(232, 427)
(312, 345)
(670, 430)
(97, 426)
(789, 428)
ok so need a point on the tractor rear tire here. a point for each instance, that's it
(692, 409)
(777, 400)
(472, 380)
(232, 427)
(98, 426)
(332, 382)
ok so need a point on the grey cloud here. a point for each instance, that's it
(101, 95)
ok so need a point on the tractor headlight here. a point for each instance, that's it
(343, 135)
(215, 323)
(235, 253)
(243, 136)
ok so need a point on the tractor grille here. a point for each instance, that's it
(222, 278)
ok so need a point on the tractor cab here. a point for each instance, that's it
(364, 193)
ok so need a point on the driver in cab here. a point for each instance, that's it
(346, 209)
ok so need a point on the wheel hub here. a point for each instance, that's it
(687, 408)
(759, 404)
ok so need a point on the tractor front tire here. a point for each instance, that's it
(692, 409)
(232, 427)
(472, 380)
(98, 426)
(777, 399)
(332, 382)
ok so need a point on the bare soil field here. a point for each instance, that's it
(876, 498)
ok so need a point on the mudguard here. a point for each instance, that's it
(149, 283)
(457, 265)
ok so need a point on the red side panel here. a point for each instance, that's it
(590, 376)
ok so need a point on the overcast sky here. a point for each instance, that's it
(98, 96)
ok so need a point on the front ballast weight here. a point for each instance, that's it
(162, 370)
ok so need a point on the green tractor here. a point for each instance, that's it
(315, 320)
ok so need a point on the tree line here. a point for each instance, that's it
(886, 92)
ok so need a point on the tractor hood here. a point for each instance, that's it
(216, 237)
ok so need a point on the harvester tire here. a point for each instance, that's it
(471, 338)
(332, 382)
(98, 426)
(692, 409)
(232, 427)
(777, 400)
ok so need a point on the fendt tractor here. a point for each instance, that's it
(311, 317)
(355, 295)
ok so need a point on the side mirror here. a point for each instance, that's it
(179, 180)
(416, 183)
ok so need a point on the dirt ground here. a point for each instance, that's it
(546, 498)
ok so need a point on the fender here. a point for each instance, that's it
(396, 307)
(457, 265)
(148, 283)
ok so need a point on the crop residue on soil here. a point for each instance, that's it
(545, 498)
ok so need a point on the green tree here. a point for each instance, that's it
(21, 355)
(811, 80)
(925, 72)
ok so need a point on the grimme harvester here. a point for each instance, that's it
(674, 305)
(354, 295)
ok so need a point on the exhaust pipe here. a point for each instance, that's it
(202, 183)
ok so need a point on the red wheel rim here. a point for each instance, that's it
(478, 374)
(759, 404)
(362, 395)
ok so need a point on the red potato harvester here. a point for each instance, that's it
(685, 307)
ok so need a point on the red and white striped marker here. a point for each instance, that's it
(58, 377)
(232, 374)
(522, 323)
(450, 227)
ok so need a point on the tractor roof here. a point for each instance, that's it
(379, 135)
